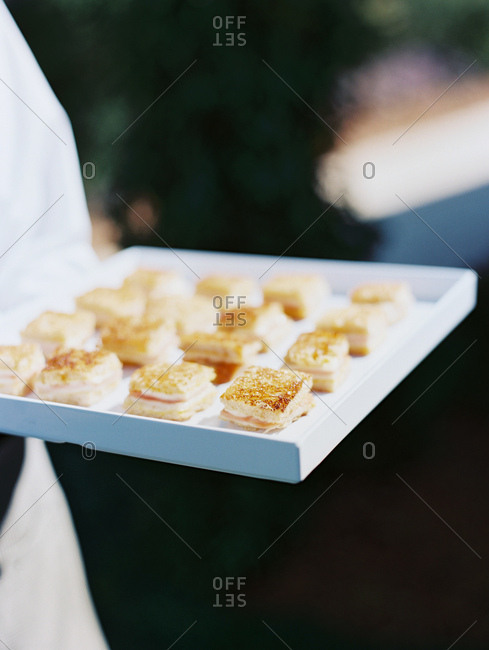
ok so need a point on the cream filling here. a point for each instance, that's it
(358, 340)
(80, 387)
(274, 329)
(368, 341)
(216, 356)
(248, 419)
(171, 404)
(7, 384)
(320, 374)
(395, 310)
(48, 347)
(150, 353)
(168, 287)
(169, 398)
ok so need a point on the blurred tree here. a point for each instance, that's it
(225, 159)
(448, 24)
(227, 152)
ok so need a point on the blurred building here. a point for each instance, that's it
(415, 158)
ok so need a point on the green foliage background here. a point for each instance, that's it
(228, 154)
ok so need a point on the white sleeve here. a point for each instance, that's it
(44, 224)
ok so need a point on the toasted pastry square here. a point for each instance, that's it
(171, 393)
(300, 295)
(19, 365)
(268, 323)
(54, 329)
(322, 355)
(227, 291)
(79, 377)
(395, 298)
(107, 303)
(365, 326)
(154, 283)
(264, 399)
(223, 350)
(140, 341)
(192, 314)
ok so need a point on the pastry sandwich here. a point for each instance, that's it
(19, 365)
(171, 393)
(191, 314)
(227, 291)
(54, 329)
(267, 323)
(263, 399)
(79, 377)
(154, 283)
(395, 298)
(300, 295)
(108, 303)
(225, 351)
(322, 355)
(139, 341)
(365, 326)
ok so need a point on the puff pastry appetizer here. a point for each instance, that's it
(154, 283)
(174, 393)
(395, 298)
(79, 377)
(19, 365)
(139, 341)
(299, 295)
(264, 399)
(225, 351)
(365, 326)
(322, 355)
(108, 303)
(54, 329)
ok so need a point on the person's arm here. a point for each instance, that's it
(44, 224)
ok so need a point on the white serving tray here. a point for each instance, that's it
(444, 296)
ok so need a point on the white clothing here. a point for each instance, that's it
(44, 598)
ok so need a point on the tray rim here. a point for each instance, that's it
(453, 292)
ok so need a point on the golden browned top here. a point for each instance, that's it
(293, 285)
(315, 349)
(189, 314)
(182, 378)
(245, 317)
(250, 317)
(381, 292)
(222, 336)
(134, 330)
(357, 318)
(21, 358)
(223, 344)
(151, 280)
(225, 285)
(75, 364)
(108, 299)
(266, 388)
(57, 326)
